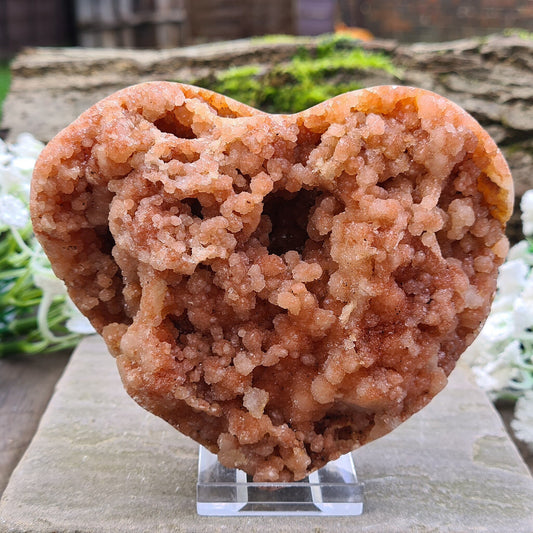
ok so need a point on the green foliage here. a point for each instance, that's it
(309, 78)
(26, 326)
(5, 81)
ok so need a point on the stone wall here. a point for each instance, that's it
(492, 78)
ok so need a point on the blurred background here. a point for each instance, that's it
(171, 23)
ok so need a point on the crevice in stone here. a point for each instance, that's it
(195, 206)
(289, 214)
(170, 124)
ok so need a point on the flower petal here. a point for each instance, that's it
(13, 212)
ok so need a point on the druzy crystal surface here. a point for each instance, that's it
(281, 288)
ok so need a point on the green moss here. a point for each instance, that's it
(241, 83)
(304, 65)
(296, 98)
(275, 38)
(520, 32)
(309, 78)
(5, 81)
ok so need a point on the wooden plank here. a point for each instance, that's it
(216, 19)
(168, 31)
(26, 384)
(124, 9)
(144, 32)
(106, 22)
(275, 16)
(109, 20)
(84, 19)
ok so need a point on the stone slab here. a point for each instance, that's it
(99, 463)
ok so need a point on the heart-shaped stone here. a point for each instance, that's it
(281, 288)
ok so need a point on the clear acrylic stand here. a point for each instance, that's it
(331, 491)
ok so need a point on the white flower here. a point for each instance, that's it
(26, 145)
(527, 293)
(523, 421)
(24, 165)
(497, 373)
(16, 165)
(526, 206)
(519, 251)
(10, 180)
(522, 316)
(13, 212)
(498, 327)
(512, 277)
(502, 304)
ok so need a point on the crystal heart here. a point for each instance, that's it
(281, 288)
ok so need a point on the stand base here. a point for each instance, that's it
(331, 491)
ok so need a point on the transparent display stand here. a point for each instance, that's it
(331, 491)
